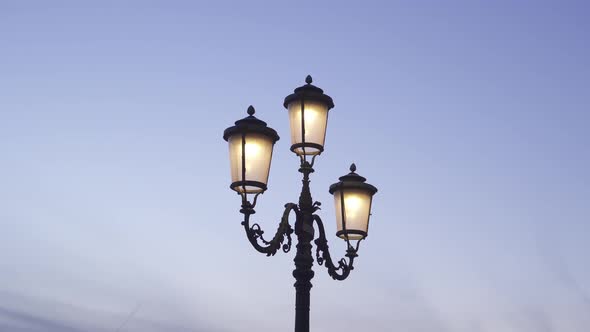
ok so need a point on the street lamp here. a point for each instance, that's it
(251, 143)
(250, 152)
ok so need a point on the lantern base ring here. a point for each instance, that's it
(239, 186)
(343, 233)
(318, 147)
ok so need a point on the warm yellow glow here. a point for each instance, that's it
(258, 152)
(353, 204)
(316, 120)
(356, 211)
(311, 117)
(253, 151)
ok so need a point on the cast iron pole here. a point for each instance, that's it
(303, 259)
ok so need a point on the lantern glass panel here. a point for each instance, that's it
(316, 120)
(357, 204)
(258, 153)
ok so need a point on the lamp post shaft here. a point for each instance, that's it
(303, 272)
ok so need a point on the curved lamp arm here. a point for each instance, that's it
(343, 270)
(254, 232)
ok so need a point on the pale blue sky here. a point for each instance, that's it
(472, 119)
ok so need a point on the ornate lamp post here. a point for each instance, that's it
(251, 143)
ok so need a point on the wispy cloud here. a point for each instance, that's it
(23, 321)
(32, 314)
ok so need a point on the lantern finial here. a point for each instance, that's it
(308, 79)
(353, 168)
(251, 110)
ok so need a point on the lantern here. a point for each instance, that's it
(352, 198)
(308, 110)
(250, 153)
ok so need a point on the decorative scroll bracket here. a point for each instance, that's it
(255, 233)
(323, 254)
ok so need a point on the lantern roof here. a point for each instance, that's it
(309, 92)
(250, 124)
(352, 181)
